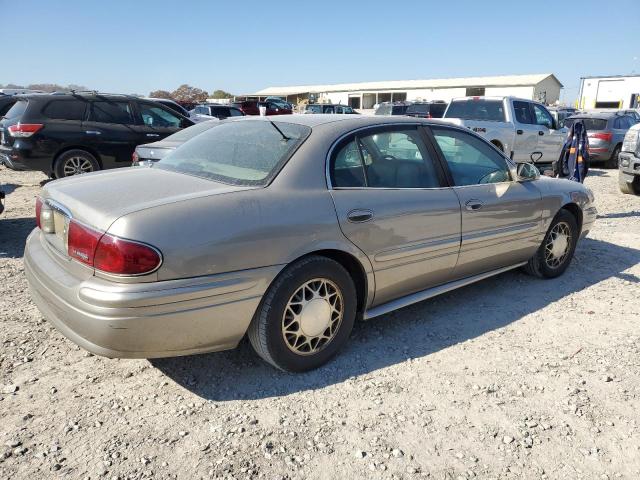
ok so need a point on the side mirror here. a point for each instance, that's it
(527, 171)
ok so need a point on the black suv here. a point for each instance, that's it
(427, 109)
(72, 133)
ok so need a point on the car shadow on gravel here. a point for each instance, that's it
(13, 235)
(413, 332)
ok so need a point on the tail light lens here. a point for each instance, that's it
(606, 136)
(110, 254)
(22, 130)
(124, 257)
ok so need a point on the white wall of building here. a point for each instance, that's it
(520, 92)
(608, 89)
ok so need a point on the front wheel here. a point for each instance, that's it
(555, 254)
(305, 316)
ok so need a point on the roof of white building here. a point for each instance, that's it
(498, 81)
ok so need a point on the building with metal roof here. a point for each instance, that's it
(543, 87)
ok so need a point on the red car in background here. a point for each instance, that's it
(252, 107)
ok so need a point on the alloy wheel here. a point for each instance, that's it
(312, 316)
(77, 166)
(557, 245)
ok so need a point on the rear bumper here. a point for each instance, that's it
(24, 159)
(144, 320)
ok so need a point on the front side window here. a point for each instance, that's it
(153, 116)
(543, 117)
(471, 160)
(385, 159)
(237, 153)
(111, 112)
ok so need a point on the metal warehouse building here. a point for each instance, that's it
(541, 87)
(615, 91)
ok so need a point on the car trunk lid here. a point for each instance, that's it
(97, 200)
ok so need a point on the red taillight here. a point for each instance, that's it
(124, 257)
(82, 242)
(606, 136)
(429, 115)
(24, 129)
(38, 211)
(110, 254)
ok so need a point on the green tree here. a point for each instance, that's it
(221, 94)
(187, 93)
(161, 94)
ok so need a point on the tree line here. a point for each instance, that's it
(184, 93)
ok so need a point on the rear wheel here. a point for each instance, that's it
(613, 161)
(306, 315)
(75, 162)
(555, 254)
(632, 188)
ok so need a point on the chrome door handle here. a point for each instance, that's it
(93, 132)
(473, 205)
(360, 215)
(153, 134)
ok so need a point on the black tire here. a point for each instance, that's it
(267, 330)
(78, 161)
(539, 265)
(632, 188)
(613, 161)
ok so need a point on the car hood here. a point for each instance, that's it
(98, 199)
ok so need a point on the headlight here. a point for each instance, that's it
(630, 143)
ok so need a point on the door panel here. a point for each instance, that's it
(550, 141)
(503, 230)
(526, 134)
(412, 239)
(391, 204)
(501, 218)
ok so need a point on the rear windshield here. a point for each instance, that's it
(437, 109)
(398, 110)
(238, 153)
(418, 108)
(589, 123)
(476, 109)
(17, 110)
(190, 132)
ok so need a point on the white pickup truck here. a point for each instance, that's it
(523, 129)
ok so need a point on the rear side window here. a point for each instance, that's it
(477, 109)
(111, 112)
(17, 109)
(65, 110)
(347, 168)
(523, 113)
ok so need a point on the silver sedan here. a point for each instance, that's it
(287, 230)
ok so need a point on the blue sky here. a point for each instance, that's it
(242, 46)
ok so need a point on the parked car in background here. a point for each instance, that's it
(632, 112)
(523, 129)
(606, 133)
(434, 109)
(172, 104)
(68, 134)
(629, 165)
(392, 108)
(252, 107)
(217, 111)
(279, 102)
(328, 108)
(152, 152)
(561, 114)
(288, 229)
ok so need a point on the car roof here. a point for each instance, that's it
(599, 116)
(317, 119)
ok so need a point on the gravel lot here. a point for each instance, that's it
(513, 377)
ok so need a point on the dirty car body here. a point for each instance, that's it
(387, 203)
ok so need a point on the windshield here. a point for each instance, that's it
(248, 152)
(476, 109)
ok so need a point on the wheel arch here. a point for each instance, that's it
(498, 144)
(576, 211)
